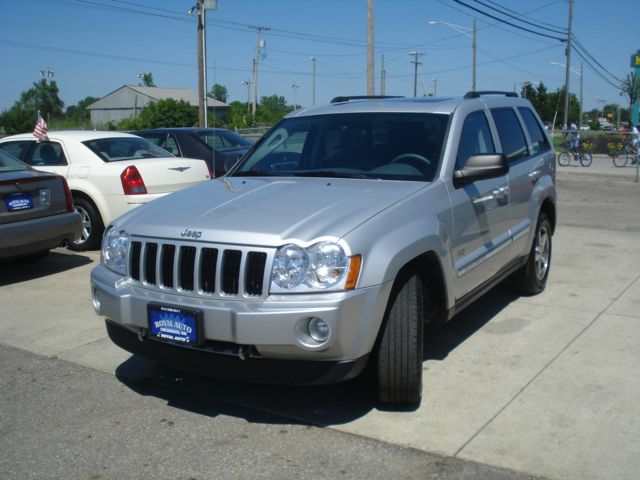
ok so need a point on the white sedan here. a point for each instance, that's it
(109, 173)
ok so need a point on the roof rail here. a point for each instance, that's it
(489, 92)
(347, 98)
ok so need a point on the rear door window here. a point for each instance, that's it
(514, 144)
(17, 148)
(539, 140)
(47, 154)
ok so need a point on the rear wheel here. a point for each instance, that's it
(92, 226)
(399, 359)
(564, 158)
(586, 159)
(532, 277)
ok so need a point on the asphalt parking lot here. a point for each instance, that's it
(515, 387)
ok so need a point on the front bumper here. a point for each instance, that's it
(270, 329)
(221, 365)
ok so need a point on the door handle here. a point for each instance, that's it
(534, 176)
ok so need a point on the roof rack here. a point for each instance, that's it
(343, 99)
(489, 92)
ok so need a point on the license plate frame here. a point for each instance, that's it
(17, 202)
(174, 324)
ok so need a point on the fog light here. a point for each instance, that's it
(318, 329)
(96, 300)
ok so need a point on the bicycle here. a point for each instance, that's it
(628, 155)
(578, 154)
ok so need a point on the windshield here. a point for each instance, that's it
(395, 146)
(223, 141)
(9, 163)
(116, 149)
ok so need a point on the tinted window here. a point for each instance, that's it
(47, 154)
(395, 146)
(9, 163)
(475, 138)
(223, 141)
(17, 149)
(538, 138)
(124, 148)
(514, 145)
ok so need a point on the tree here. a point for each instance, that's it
(147, 79)
(42, 96)
(272, 109)
(165, 113)
(78, 113)
(238, 116)
(219, 92)
(630, 88)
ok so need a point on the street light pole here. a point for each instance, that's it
(370, 49)
(256, 60)
(247, 83)
(313, 87)
(566, 81)
(474, 47)
(295, 88)
(415, 72)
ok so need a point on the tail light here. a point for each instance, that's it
(132, 182)
(67, 195)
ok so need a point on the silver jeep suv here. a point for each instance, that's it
(332, 243)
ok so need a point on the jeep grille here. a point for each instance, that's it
(213, 271)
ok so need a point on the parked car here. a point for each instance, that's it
(332, 243)
(36, 211)
(109, 173)
(220, 148)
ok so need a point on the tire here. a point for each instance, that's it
(92, 226)
(564, 158)
(532, 277)
(620, 159)
(586, 159)
(399, 356)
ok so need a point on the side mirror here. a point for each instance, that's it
(480, 167)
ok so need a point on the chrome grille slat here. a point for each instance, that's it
(203, 270)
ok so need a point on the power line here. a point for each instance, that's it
(584, 50)
(501, 20)
(525, 14)
(516, 16)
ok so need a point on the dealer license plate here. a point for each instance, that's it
(173, 324)
(18, 201)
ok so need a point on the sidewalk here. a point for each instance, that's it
(602, 165)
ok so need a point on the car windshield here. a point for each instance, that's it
(116, 149)
(393, 146)
(9, 163)
(223, 141)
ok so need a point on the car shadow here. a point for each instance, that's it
(22, 270)
(321, 406)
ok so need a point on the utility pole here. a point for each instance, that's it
(370, 49)
(313, 87)
(47, 74)
(247, 83)
(475, 57)
(260, 44)
(415, 71)
(435, 87)
(382, 72)
(581, 81)
(568, 71)
(202, 66)
(295, 87)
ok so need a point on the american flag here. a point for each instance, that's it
(40, 132)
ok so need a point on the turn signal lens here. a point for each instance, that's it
(132, 182)
(355, 262)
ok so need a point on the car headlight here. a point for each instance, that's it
(115, 248)
(318, 267)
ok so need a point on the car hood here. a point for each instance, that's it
(266, 211)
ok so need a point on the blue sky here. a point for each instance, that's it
(96, 46)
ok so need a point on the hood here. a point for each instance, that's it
(266, 211)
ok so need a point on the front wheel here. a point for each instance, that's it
(586, 159)
(92, 226)
(399, 358)
(532, 276)
(620, 159)
(564, 158)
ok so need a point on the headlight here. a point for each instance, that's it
(320, 266)
(115, 247)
